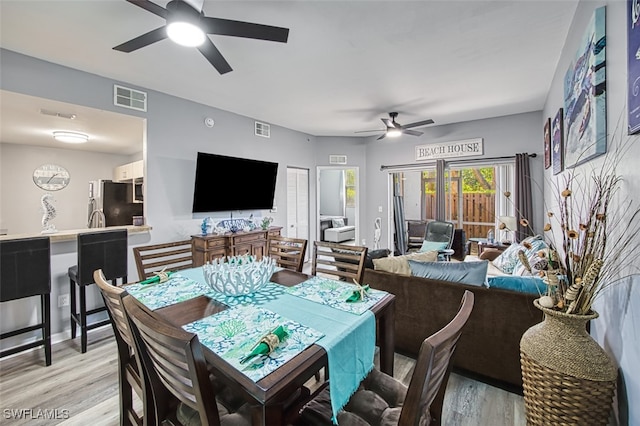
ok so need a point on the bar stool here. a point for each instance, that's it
(106, 250)
(25, 271)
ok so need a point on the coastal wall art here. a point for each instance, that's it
(585, 107)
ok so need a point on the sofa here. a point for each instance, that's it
(489, 348)
(336, 229)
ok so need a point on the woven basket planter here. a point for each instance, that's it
(567, 377)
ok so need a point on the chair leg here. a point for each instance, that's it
(46, 323)
(72, 307)
(83, 318)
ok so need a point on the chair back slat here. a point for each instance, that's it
(425, 394)
(112, 296)
(339, 260)
(287, 252)
(174, 362)
(173, 256)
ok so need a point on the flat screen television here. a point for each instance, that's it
(225, 183)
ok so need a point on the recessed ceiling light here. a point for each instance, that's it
(70, 137)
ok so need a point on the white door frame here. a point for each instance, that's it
(357, 208)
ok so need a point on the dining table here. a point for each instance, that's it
(271, 396)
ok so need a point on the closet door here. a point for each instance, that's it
(298, 204)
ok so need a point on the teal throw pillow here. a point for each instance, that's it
(471, 273)
(530, 285)
(433, 246)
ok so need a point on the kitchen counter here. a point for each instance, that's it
(69, 235)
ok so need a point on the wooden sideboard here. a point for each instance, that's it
(211, 246)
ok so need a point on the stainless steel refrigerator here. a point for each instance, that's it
(112, 204)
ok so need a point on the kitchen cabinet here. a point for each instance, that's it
(128, 172)
(208, 247)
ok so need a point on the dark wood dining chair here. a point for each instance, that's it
(154, 258)
(174, 362)
(287, 252)
(130, 375)
(339, 260)
(381, 397)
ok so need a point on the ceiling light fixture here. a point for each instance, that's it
(70, 137)
(183, 24)
(393, 133)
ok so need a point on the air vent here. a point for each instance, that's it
(337, 159)
(263, 129)
(129, 98)
(57, 114)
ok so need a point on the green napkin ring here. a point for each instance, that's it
(358, 294)
(266, 344)
(160, 277)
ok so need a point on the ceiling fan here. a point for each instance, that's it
(184, 15)
(394, 129)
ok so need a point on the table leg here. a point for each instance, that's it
(387, 342)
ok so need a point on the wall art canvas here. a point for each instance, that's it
(557, 151)
(633, 65)
(585, 109)
(547, 143)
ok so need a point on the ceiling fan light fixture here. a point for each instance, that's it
(185, 33)
(393, 133)
(70, 137)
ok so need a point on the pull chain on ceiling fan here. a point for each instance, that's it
(182, 20)
(394, 129)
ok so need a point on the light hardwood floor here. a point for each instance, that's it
(86, 386)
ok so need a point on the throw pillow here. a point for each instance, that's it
(530, 285)
(531, 247)
(471, 273)
(400, 264)
(433, 246)
(337, 223)
(507, 260)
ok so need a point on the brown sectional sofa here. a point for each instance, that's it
(489, 348)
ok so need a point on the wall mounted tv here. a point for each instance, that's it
(229, 183)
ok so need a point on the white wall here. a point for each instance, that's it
(20, 209)
(618, 327)
(331, 193)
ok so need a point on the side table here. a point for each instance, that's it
(485, 245)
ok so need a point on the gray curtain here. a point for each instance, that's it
(440, 194)
(523, 199)
(400, 234)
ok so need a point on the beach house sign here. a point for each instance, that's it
(463, 148)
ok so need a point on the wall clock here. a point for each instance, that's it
(51, 177)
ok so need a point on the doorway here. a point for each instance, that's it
(338, 195)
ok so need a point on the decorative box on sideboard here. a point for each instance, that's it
(212, 246)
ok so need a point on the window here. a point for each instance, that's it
(350, 187)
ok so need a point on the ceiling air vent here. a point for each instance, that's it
(68, 116)
(337, 159)
(263, 129)
(129, 98)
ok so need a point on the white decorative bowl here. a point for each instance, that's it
(238, 275)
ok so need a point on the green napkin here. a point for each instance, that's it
(155, 279)
(267, 344)
(358, 294)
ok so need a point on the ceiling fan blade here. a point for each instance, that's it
(388, 123)
(213, 55)
(367, 131)
(382, 136)
(418, 124)
(150, 7)
(411, 132)
(244, 29)
(143, 40)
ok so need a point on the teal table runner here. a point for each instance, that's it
(349, 341)
(232, 334)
